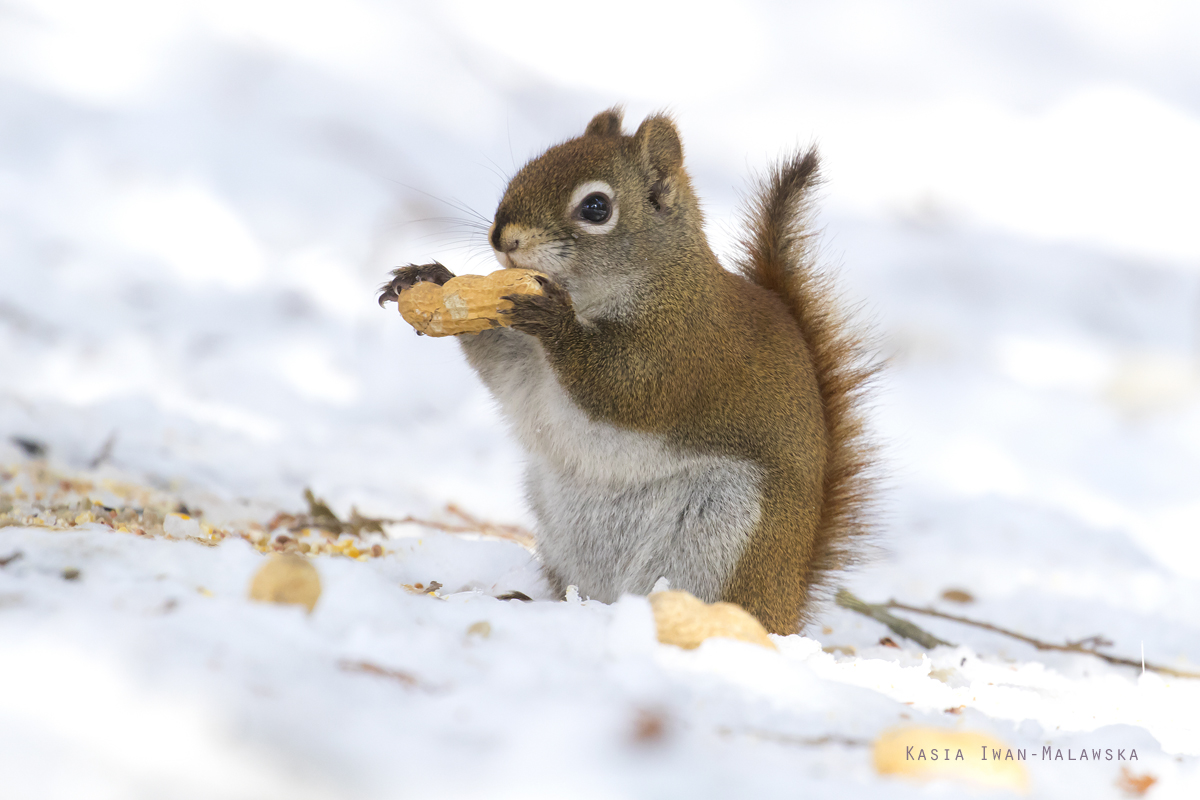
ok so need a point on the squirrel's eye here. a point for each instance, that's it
(596, 208)
(593, 207)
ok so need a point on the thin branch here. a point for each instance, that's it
(900, 627)
(399, 676)
(802, 741)
(513, 533)
(319, 515)
(470, 524)
(105, 451)
(1070, 647)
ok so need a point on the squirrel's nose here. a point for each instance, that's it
(498, 242)
(504, 244)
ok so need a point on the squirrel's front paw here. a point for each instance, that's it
(404, 277)
(544, 314)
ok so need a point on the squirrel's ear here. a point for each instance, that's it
(606, 123)
(661, 151)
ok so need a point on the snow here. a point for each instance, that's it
(197, 201)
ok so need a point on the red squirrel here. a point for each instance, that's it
(681, 420)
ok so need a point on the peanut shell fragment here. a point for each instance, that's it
(685, 621)
(466, 304)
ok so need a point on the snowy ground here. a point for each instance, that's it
(197, 201)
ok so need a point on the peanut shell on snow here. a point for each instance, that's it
(984, 760)
(287, 578)
(686, 621)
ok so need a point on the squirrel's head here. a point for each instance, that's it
(591, 211)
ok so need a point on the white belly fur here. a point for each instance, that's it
(616, 509)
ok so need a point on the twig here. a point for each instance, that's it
(105, 451)
(1070, 647)
(901, 627)
(30, 447)
(802, 741)
(399, 676)
(319, 515)
(513, 533)
(510, 533)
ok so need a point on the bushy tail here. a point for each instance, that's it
(778, 255)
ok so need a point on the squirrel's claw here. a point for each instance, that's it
(404, 277)
(542, 314)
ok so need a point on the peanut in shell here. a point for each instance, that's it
(287, 578)
(971, 757)
(686, 621)
(466, 304)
